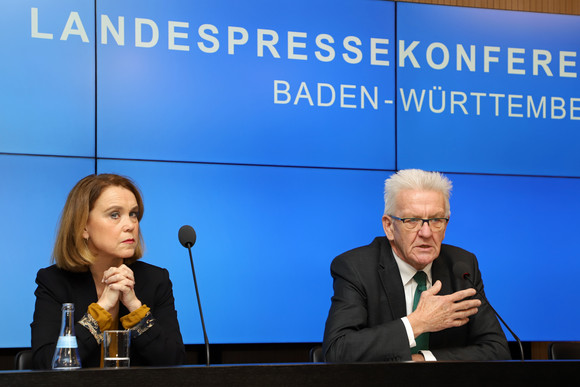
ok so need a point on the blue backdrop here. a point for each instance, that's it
(270, 128)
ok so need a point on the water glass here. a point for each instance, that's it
(116, 346)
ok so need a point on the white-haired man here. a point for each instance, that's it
(398, 298)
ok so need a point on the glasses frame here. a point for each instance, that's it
(423, 221)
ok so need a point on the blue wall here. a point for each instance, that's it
(270, 128)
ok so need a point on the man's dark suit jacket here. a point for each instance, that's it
(159, 345)
(364, 322)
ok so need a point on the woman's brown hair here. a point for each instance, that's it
(70, 249)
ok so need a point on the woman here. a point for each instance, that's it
(96, 252)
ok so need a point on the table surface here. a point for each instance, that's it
(513, 373)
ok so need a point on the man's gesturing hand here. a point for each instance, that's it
(435, 313)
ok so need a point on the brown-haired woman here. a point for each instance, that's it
(96, 252)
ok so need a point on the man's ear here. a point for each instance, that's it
(388, 227)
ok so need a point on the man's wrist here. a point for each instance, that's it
(416, 325)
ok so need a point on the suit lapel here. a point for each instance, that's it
(391, 281)
(440, 271)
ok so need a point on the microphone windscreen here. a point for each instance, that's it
(187, 236)
(461, 270)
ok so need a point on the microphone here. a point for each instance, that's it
(187, 238)
(461, 269)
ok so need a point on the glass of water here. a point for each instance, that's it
(116, 346)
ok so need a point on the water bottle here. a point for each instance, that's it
(66, 356)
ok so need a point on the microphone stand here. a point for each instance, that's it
(199, 305)
(509, 329)
(468, 277)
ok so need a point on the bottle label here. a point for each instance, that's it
(67, 342)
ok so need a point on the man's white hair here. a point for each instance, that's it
(417, 180)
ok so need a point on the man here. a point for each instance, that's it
(373, 317)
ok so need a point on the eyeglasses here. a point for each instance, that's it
(415, 224)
